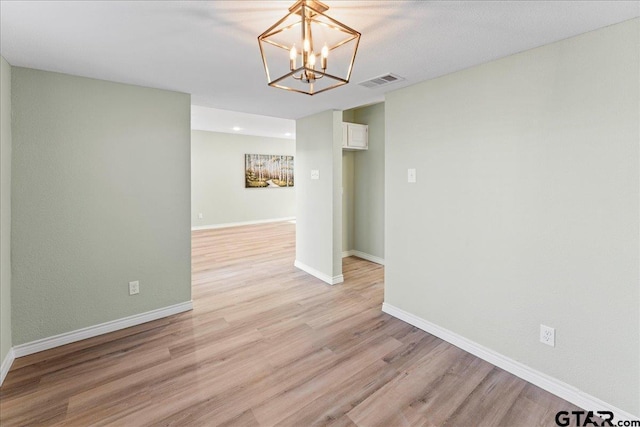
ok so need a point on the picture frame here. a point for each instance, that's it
(268, 171)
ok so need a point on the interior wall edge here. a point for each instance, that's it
(6, 364)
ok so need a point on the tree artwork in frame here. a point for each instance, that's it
(268, 171)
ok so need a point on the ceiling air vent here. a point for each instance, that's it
(379, 81)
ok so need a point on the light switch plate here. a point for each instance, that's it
(315, 174)
(411, 175)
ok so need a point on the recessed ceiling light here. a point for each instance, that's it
(236, 128)
(287, 134)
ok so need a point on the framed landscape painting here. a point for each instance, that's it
(268, 171)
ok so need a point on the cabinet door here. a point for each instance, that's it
(357, 136)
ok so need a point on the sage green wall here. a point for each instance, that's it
(101, 197)
(217, 179)
(348, 219)
(368, 182)
(319, 202)
(348, 116)
(336, 151)
(363, 222)
(5, 209)
(526, 208)
(348, 174)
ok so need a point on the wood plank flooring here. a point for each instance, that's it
(267, 344)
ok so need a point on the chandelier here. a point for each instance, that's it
(308, 51)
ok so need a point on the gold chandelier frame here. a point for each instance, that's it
(309, 11)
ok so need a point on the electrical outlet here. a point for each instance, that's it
(547, 335)
(134, 287)
(200, 215)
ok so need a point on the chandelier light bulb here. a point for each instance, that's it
(312, 60)
(293, 55)
(306, 45)
(323, 58)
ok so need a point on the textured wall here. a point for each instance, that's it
(101, 197)
(319, 202)
(5, 208)
(348, 214)
(368, 181)
(217, 179)
(526, 207)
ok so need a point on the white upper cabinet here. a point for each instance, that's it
(355, 136)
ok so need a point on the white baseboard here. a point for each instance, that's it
(103, 328)
(363, 255)
(324, 277)
(544, 381)
(239, 224)
(6, 365)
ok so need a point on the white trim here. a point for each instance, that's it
(364, 256)
(544, 381)
(239, 224)
(103, 328)
(324, 277)
(6, 364)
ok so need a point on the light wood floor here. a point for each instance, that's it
(267, 344)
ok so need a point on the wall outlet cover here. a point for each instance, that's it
(548, 335)
(134, 287)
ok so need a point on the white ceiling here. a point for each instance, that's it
(216, 120)
(210, 50)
